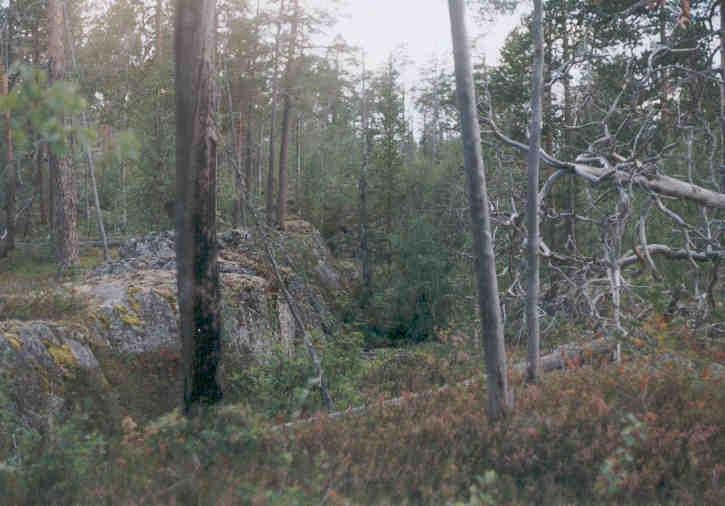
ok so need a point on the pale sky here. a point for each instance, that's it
(421, 27)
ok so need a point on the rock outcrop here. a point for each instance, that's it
(123, 354)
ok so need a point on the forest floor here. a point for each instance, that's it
(645, 430)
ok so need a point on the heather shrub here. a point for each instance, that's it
(625, 434)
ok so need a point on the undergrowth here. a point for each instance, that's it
(633, 433)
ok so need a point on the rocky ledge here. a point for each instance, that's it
(123, 352)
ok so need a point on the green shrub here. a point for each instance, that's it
(55, 467)
(44, 304)
(280, 383)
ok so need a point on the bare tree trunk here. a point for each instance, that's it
(283, 185)
(196, 245)
(8, 244)
(51, 190)
(298, 154)
(363, 189)
(158, 16)
(532, 207)
(549, 227)
(248, 170)
(124, 199)
(42, 182)
(566, 135)
(65, 213)
(260, 157)
(500, 399)
(86, 148)
(273, 119)
(722, 96)
(236, 135)
(238, 218)
(38, 169)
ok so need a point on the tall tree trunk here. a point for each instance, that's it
(158, 16)
(283, 185)
(159, 127)
(532, 206)
(500, 399)
(87, 148)
(566, 141)
(196, 245)
(363, 189)
(51, 190)
(248, 170)
(8, 244)
(259, 165)
(298, 154)
(41, 176)
(65, 213)
(273, 120)
(722, 96)
(235, 130)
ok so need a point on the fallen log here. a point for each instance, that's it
(604, 349)
(112, 243)
(657, 183)
(567, 354)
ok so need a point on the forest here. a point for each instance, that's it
(246, 260)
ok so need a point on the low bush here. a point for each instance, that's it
(43, 304)
(625, 434)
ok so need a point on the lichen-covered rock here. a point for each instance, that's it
(39, 363)
(134, 312)
(126, 349)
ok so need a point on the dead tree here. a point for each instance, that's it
(499, 395)
(619, 166)
(722, 96)
(196, 245)
(532, 207)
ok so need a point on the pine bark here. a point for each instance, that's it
(500, 399)
(248, 169)
(87, 149)
(39, 155)
(8, 244)
(283, 179)
(532, 207)
(65, 213)
(196, 245)
(273, 120)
